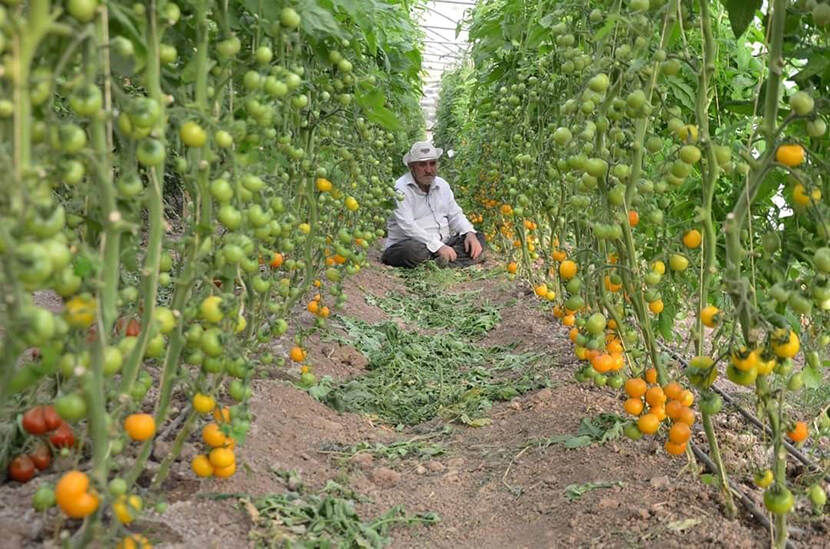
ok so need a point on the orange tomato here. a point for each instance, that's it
(655, 396)
(633, 406)
(790, 155)
(673, 409)
(799, 432)
(213, 436)
(635, 387)
(673, 390)
(222, 415)
(297, 354)
(512, 267)
(140, 427)
(633, 218)
(692, 239)
(675, 449)
(680, 433)
(648, 424)
(651, 375)
(201, 466)
(687, 416)
(276, 260)
(567, 269)
(221, 457)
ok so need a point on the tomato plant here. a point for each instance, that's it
(271, 131)
(594, 156)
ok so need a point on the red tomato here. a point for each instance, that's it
(33, 421)
(63, 437)
(21, 469)
(51, 417)
(133, 328)
(41, 456)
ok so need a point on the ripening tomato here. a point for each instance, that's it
(63, 436)
(21, 469)
(34, 421)
(41, 456)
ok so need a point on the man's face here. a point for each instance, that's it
(424, 172)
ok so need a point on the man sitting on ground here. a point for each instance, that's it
(428, 223)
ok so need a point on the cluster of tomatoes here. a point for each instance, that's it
(44, 423)
(220, 460)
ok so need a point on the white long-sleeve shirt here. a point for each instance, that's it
(432, 217)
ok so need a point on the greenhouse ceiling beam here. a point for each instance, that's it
(436, 12)
(440, 27)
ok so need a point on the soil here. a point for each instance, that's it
(494, 486)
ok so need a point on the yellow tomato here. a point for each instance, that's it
(203, 403)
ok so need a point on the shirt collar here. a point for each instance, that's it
(410, 181)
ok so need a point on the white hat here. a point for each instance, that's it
(422, 150)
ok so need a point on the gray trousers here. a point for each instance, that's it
(410, 253)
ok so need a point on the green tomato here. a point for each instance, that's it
(117, 486)
(155, 347)
(144, 112)
(35, 263)
(192, 134)
(113, 360)
(778, 499)
(71, 407)
(229, 47)
(211, 343)
(82, 10)
(223, 140)
(221, 190)
(150, 152)
(230, 217)
(86, 100)
(167, 54)
(289, 18)
(43, 498)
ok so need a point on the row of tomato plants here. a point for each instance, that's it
(178, 177)
(608, 139)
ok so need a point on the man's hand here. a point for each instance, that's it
(447, 253)
(472, 245)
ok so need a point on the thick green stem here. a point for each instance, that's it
(155, 208)
(737, 285)
(714, 449)
(710, 168)
(109, 274)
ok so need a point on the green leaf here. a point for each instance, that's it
(605, 29)
(708, 479)
(83, 266)
(385, 118)
(317, 21)
(741, 13)
(666, 322)
(812, 377)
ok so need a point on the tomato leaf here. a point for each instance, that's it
(812, 377)
(741, 13)
(317, 20)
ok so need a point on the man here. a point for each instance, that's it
(428, 223)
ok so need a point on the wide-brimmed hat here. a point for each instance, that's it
(422, 150)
